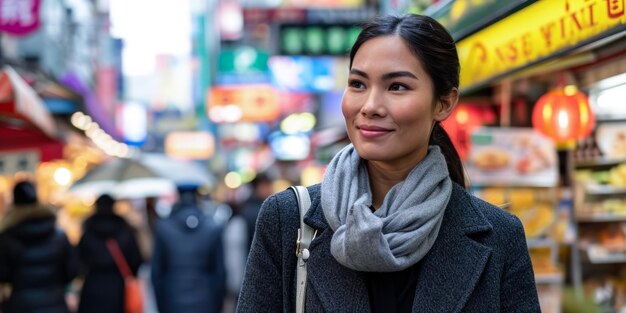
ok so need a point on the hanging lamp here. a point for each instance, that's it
(564, 115)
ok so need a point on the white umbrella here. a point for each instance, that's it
(181, 172)
(122, 178)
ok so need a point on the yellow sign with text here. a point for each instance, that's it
(535, 33)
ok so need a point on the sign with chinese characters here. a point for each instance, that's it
(19, 17)
(532, 35)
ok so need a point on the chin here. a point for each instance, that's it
(376, 153)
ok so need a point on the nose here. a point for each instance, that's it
(374, 104)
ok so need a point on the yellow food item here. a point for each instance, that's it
(495, 196)
(522, 197)
(491, 159)
(536, 219)
(617, 176)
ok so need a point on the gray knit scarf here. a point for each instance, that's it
(399, 233)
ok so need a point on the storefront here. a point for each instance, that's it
(527, 50)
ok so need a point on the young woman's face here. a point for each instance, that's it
(389, 104)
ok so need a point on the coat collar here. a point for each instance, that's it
(447, 274)
(18, 214)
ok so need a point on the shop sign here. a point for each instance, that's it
(327, 39)
(190, 145)
(323, 3)
(19, 17)
(243, 103)
(18, 161)
(243, 65)
(463, 17)
(282, 15)
(515, 156)
(534, 34)
(344, 16)
(242, 60)
(308, 73)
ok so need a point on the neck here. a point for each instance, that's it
(383, 178)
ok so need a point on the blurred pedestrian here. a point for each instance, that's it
(187, 264)
(36, 259)
(103, 288)
(236, 247)
(262, 187)
(238, 235)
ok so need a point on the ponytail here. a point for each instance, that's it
(440, 137)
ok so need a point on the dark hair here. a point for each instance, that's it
(24, 192)
(434, 47)
(259, 179)
(105, 203)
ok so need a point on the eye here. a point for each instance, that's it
(398, 87)
(356, 84)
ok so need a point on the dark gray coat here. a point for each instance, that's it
(188, 270)
(479, 263)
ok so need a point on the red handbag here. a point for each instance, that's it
(133, 297)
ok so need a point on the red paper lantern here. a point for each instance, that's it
(564, 115)
(462, 122)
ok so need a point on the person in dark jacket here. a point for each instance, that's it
(261, 189)
(396, 231)
(103, 288)
(36, 258)
(188, 272)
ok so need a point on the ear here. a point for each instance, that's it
(446, 105)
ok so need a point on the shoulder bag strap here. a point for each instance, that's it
(118, 257)
(305, 236)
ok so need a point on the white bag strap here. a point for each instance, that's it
(305, 236)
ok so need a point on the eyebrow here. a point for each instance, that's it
(385, 76)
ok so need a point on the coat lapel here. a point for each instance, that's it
(452, 268)
(338, 288)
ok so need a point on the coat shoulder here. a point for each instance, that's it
(283, 205)
(497, 216)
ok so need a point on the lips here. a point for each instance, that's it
(372, 131)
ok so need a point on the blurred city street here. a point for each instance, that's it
(141, 138)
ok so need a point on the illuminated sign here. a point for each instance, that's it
(309, 74)
(317, 39)
(132, 120)
(293, 147)
(242, 103)
(323, 3)
(535, 33)
(19, 17)
(190, 145)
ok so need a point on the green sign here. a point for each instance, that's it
(243, 60)
(317, 40)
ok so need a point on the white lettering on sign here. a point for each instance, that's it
(17, 12)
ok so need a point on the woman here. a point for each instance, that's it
(396, 230)
(103, 289)
(36, 258)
